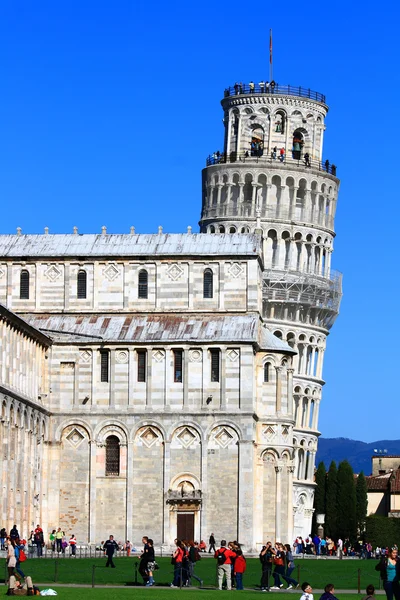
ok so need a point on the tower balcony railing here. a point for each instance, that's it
(273, 158)
(273, 88)
(247, 210)
(306, 288)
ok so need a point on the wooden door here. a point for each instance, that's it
(185, 528)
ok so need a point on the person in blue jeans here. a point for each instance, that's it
(389, 567)
(292, 583)
(239, 569)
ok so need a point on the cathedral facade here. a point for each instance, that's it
(169, 385)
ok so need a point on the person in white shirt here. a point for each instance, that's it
(307, 591)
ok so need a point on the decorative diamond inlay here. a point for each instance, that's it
(186, 437)
(149, 437)
(111, 272)
(174, 272)
(85, 356)
(285, 431)
(158, 355)
(223, 438)
(75, 438)
(121, 357)
(269, 432)
(235, 270)
(52, 273)
(2, 273)
(233, 355)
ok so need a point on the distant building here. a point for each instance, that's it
(170, 385)
(384, 486)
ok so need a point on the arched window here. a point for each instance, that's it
(82, 285)
(267, 372)
(112, 455)
(24, 285)
(208, 283)
(143, 284)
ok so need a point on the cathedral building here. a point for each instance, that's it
(170, 384)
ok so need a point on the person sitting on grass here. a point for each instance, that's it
(15, 588)
(329, 593)
(370, 593)
(307, 591)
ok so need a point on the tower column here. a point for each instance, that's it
(278, 389)
(290, 472)
(278, 504)
(290, 390)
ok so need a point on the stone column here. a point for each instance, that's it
(222, 378)
(290, 471)
(229, 135)
(92, 492)
(228, 193)
(278, 389)
(185, 375)
(283, 204)
(239, 135)
(316, 413)
(278, 504)
(292, 204)
(167, 478)
(290, 391)
(312, 368)
(246, 492)
(204, 490)
(149, 358)
(129, 488)
(307, 423)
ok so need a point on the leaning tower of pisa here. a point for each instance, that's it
(272, 177)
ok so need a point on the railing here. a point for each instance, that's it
(273, 88)
(272, 158)
(245, 210)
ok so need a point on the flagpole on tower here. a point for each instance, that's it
(270, 55)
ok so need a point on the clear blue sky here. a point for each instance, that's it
(108, 110)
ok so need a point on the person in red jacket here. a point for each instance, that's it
(224, 562)
(240, 567)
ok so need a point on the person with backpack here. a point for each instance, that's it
(224, 558)
(194, 557)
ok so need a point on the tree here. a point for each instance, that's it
(330, 502)
(361, 503)
(320, 495)
(346, 502)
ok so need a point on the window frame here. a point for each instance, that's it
(143, 287)
(141, 374)
(208, 286)
(24, 284)
(104, 366)
(267, 372)
(215, 365)
(115, 461)
(81, 295)
(178, 362)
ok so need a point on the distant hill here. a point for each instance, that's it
(357, 453)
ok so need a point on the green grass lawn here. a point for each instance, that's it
(163, 594)
(342, 573)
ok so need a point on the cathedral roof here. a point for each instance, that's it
(164, 328)
(118, 245)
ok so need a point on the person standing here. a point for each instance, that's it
(212, 543)
(240, 567)
(266, 556)
(194, 557)
(14, 533)
(289, 568)
(59, 537)
(72, 543)
(151, 562)
(389, 567)
(177, 560)
(3, 535)
(39, 540)
(109, 548)
(144, 560)
(279, 566)
(224, 558)
(52, 540)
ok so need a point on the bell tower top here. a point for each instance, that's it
(265, 118)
